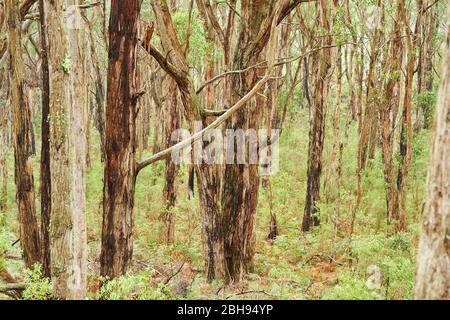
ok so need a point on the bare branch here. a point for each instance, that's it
(165, 154)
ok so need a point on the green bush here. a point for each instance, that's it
(38, 287)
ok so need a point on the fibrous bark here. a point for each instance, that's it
(120, 163)
(433, 261)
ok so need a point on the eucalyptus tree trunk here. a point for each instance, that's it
(207, 181)
(406, 132)
(99, 92)
(22, 142)
(425, 66)
(45, 179)
(388, 116)
(366, 122)
(120, 142)
(4, 143)
(170, 192)
(241, 181)
(322, 61)
(433, 260)
(79, 152)
(66, 231)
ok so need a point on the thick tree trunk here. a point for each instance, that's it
(120, 164)
(23, 151)
(45, 180)
(79, 145)
(433, 261)
(207, 181)
(241, 181)
(66, 231)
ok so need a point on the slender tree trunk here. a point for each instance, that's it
(170, 192)
(4, 142)
(99, 93)
(23, 151)
(323, 61)
(366, 122)
(406, 133)
(45, 181)
(388, 116)
(120, 164)
(433, 260)
(424, 67)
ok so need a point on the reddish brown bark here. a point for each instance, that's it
(45, 179)
(318, 120)
(170, 192)
(120, 164)
(388, 115)
(22, 142)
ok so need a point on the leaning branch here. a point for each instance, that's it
(165, 154)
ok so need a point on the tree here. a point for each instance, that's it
(66, 232)
(45, 179)
(323, 62)
(4, 142)
(240, 194)
(239, 232)
(79, 147)
(120, 136)
(433, 260)
(22, 142)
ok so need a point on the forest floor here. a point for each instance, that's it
(294, 266)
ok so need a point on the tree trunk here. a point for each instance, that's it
(45, 180)
(433, 261)
(170, 192)
(99, 93)
(23, 151)
(366, 122)
(79, 146)
(207, 181)
(388, 116)
(406, 133)
(323, 61)
(120, 164)
(4, 142)
(66, 231)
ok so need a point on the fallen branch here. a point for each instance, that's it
(248, 292)
(12, 287)
(174, 274)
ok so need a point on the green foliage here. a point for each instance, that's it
(67, 64)
(394, 256)
(131, 287)
(199, 45)
(350, 288)
(38, 287)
